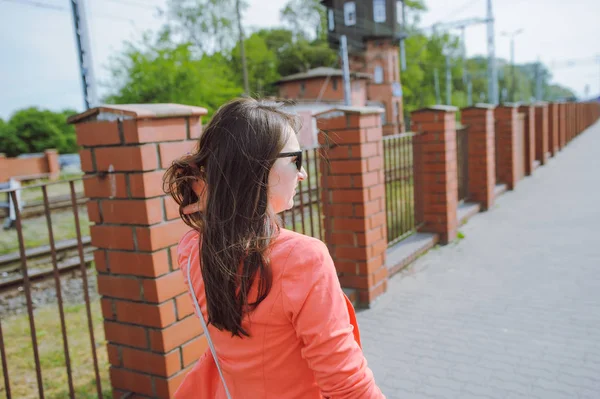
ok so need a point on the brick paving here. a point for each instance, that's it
(513, 309)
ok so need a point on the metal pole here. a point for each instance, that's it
(538, 81)
(512, 63)
(492, 71)
(464, 54)
(436, 81)
(242, 47)
(402, 44)
(469, 91)
(345, 70)
(448, 81)
(84, 51)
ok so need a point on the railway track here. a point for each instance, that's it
(36, 208)
(39, 262)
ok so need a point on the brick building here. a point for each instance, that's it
(373, 29)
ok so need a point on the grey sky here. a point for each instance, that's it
(38, 64)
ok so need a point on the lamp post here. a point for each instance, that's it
(512, 36)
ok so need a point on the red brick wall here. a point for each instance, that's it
(435, 174)
(152, 336)
(481, 154)
(39, 166)
(353, 192)
(312, 89)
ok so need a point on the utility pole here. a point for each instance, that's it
(492, 70)
(402, 44)
(84, 52)
(242, 47)
(436, 81)
(463, 49)
(469, 91)
(512, 36)
(448, 81)
(538, 81)
(345, 69)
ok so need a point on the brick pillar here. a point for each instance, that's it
(553, 124)
(435, 175)
(562, 124)
(152, 336)
(353, 193)
(541, 133)
(481, 153)
(529, 111)
(507, 150)
(53, 163)
(572, 121)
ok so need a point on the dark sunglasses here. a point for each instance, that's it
(297, 154)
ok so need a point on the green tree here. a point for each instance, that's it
(297, 54)
(160, 71)
(34, 130)
(262, 65)
(209, 25)
(306, 18)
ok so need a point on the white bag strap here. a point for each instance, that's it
(210, 343)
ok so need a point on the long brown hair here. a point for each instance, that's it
(233, 158)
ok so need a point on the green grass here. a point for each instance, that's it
(20, 360)
(35, 230)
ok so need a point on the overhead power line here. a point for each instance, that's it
(42, 5)
(37, 4)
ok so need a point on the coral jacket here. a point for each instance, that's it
(304, 341)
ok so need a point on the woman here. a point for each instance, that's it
(280, 323)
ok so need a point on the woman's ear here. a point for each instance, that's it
(199, 187)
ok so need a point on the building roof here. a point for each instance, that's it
(322, 72)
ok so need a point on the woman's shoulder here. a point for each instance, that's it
(187, 245)
(299, 243)
(302, 254)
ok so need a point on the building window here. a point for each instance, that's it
(335, 83)
(302, 88)
(383, 116)
(379, 10)
(378, 74)
(350, 13)
(331, 19)
(399, 11)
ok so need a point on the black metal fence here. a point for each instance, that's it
(462, 162)
(306, 216)
(399, 186)
(35, 276)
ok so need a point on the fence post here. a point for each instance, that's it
(353, 193)
(541, 132)
(529, 111)
(507, 150)
(481, 153)
(553, 124)
(152, 336)
(436, 185)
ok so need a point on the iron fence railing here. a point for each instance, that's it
(399, 186)
(462, 162)
(27, 271)
(306, 216)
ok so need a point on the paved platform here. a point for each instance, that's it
(513, 309)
